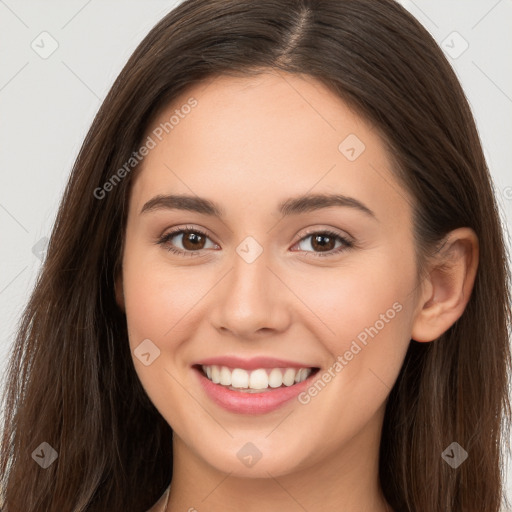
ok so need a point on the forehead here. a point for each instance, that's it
(273, 135)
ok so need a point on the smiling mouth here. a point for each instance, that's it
(260, 380)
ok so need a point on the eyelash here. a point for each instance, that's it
(347, 244)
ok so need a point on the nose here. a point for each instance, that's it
(252, 300)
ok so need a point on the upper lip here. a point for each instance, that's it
(251, 364)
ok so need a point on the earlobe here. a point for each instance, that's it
(448, 286)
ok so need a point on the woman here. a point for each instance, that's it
(269, 281)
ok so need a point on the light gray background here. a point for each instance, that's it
(47, 105)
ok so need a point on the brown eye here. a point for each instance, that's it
(193, 241)
(324, 242)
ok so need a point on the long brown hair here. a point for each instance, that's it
(71, 380)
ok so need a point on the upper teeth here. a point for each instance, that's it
(256, 379)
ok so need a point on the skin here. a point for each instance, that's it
(249, 144)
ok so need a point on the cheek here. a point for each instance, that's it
(367, 309)
(367, 351)
(158, 304)
(157, 297)
(349, 300)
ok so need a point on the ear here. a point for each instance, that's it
(447, 288)
(119, 291)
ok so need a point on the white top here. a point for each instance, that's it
(161, 504)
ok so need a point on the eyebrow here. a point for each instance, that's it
(291, 206)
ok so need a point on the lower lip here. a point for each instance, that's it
(251, 403)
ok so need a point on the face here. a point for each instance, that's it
(269, 282)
